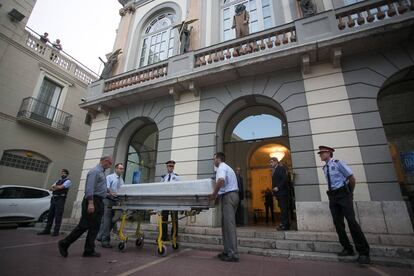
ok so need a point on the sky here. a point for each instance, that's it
(86, 28)
(259, 126)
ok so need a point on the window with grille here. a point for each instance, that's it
(23, 162)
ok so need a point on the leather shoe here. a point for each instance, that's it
(346, 252)
(221, 255)
(226, 258)
(364, 259)
(44, 232)
(63, 250)
(106, 245)
(91, 254)
(55, 234)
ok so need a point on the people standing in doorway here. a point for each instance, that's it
(281, 191)
(60, 191)
(171, 176)
(268, 202)
(114, 182)
(341, 185)
(227, 190)
(92, 210)
(239, 212)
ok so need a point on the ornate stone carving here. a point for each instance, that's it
(129, 8)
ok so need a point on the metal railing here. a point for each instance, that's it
(40, 112)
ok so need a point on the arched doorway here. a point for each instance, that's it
(395, 102)
(248, 126)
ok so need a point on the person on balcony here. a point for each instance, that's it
(57, 45)
(44, 38)
(170, 176)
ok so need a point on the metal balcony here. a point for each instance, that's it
(38, 113)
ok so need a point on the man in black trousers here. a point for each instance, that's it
(281, 191)
(57, 203)
(341, 185)
(92, 210)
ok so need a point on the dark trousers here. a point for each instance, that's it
(341, 206)
(57, 206)
(239, 214)
(174, 219)
(88, 222)
(269, 209)
(283, 202)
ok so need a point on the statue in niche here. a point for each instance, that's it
(112, 59)
(184, 33)
(241, 21)
(307, 7)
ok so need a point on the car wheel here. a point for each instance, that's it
(43, 217)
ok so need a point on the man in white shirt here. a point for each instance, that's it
(171, 176)
(114, 182)
(227, 190)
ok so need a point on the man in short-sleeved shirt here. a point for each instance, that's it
(227, 190)
(341, 185)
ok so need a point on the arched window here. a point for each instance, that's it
(257, 127)
(142, 154)
(260, 11)
(158, 39)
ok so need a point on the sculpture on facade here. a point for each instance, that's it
(184, 33)
(241, 21)
(112, 59)
(307, 7)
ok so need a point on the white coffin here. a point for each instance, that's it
(180, 195)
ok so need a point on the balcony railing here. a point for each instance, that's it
(60, 58)
(294, 42)
(38, 112)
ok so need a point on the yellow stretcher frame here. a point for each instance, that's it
(139, 235)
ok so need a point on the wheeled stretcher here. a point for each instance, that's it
(187, 197)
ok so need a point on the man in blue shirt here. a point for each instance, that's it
(341, 185)
(60, 191)
(92, 210)
(114, 182)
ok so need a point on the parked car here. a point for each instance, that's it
(23, 205)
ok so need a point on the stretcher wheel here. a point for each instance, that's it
(139, 242)
(175, 246)
(121, 246)
(163, 251)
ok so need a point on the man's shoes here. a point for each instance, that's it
(99, 239)
(55, 234)
(91, 254)
(221, 255)
(63, 250)
(106, 245)
(364, 259)
(282, 228)
(346, 252)
(226, 258)
(44, 232)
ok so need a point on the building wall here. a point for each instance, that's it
(21, 74)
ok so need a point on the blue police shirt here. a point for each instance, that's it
(338, 172)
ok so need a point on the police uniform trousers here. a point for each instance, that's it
(164, 228)
(57, 206)
(88, 222)
(341, 206)
(229, 202)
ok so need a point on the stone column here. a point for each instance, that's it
(127, 14)
(194, 12)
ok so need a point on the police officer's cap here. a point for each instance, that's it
(325, 149)
(170, 162)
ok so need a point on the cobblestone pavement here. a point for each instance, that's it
(22, 252)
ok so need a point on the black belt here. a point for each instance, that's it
(234, 191)
(341, 190)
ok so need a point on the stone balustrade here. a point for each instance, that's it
(370, 11)
(60, 59)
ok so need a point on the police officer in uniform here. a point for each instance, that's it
(169, 177)
(59, 190)
(341, 185)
